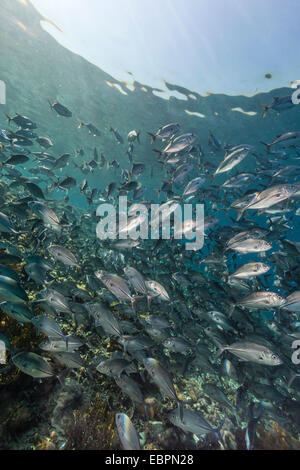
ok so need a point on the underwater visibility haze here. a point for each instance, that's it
(151, 342)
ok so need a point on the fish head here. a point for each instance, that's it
(168, 343)
(269, 358)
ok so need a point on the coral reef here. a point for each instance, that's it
(275, 438)
(70, 398)
(91, 427)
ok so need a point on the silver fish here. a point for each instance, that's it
(193, 422)
(180, 143)
(127, 433)
(163, 380)
(250, 270)
(262, 300)
(33, 364)
(252, 352)
(63, 255)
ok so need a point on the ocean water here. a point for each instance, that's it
(74, 404)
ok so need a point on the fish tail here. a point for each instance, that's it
(187, 362)
(180, 409)
(134, 302)
(220, 351)
(142, 375)
(158, 192)
(217, 431)
(89, 345)
(146, 406)
(8, 118)
(149, 298)
(267, 145)
(89, 372)
(53, 185)
(158, 151)
(81, 124)
(50, 104)
(62, 375)
(266, 109)
(231, 309)
(240, 213)
(261, 411)
(138, 136)
(152, 137)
